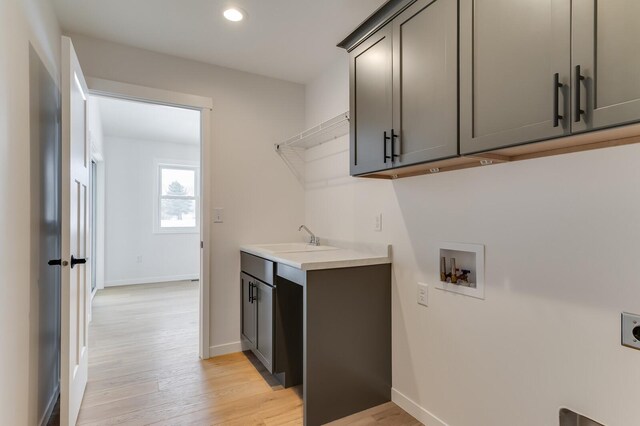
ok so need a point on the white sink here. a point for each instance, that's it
(292, 247)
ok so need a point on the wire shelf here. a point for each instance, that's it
(292, 150)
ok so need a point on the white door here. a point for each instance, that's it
(75, 237)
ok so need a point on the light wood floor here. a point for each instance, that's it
(144, 369)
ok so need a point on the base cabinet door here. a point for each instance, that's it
(248, 310)
(371, 81)
(606, 63)
(510, 53)
(425, 84)
(265, 308)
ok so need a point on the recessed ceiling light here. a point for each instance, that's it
(233, 14)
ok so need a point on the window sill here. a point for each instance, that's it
(169, 231)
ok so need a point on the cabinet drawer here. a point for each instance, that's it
(257, 267)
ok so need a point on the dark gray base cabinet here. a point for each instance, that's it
(329, 330)
(264, 319)
(404, 90)
(248, 311)
(347, 341)
(258, 308)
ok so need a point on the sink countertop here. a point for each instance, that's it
(335, 254)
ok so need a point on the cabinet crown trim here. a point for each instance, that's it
(374, 22)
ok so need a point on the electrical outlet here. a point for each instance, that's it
(631, 330)
(139, 259)
(377, 224)
(423, 294)
(217, 215)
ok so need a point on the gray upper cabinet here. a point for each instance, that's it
(371, 103)
(404, 90)
(434, 83)
(425, 86)
(510, 53)
(606, 48)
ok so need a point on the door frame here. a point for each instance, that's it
(115, 89)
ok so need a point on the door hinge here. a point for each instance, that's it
(201, 244)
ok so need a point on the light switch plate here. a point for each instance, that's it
(631, 330)
(423, 294)
(217, 215)
(377, 222)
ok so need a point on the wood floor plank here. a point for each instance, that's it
(93, 398)
(385, 414)
(144, 369)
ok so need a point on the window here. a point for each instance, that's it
(178, 206)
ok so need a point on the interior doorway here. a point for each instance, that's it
(149, 193)
(146, 215)
(203, 105)
(146, 195)
(81, 141)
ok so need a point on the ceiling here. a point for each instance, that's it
(287, 39)
(144, 121)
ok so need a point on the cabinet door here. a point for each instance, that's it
(264, 345)
(425, 82)
(509, 53)
(606, 47)
(371, 103)
(248, 309)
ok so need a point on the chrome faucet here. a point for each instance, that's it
(315, 241)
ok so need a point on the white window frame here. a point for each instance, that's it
(158, 197)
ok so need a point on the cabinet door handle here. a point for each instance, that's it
(253, 292)
(578, 78)
(384, 144)
(556, 88)
(393, 145)
(250, 290)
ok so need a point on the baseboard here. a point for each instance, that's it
(227, 348)
(50, 406)
(151, 280)
(411, 407)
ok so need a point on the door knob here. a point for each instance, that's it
(79, 261)
(55, 262)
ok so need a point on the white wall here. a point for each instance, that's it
(21, 23)
(561, 238)
(263, 202)
(131, 186)
(94, 127)
(328, 95)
